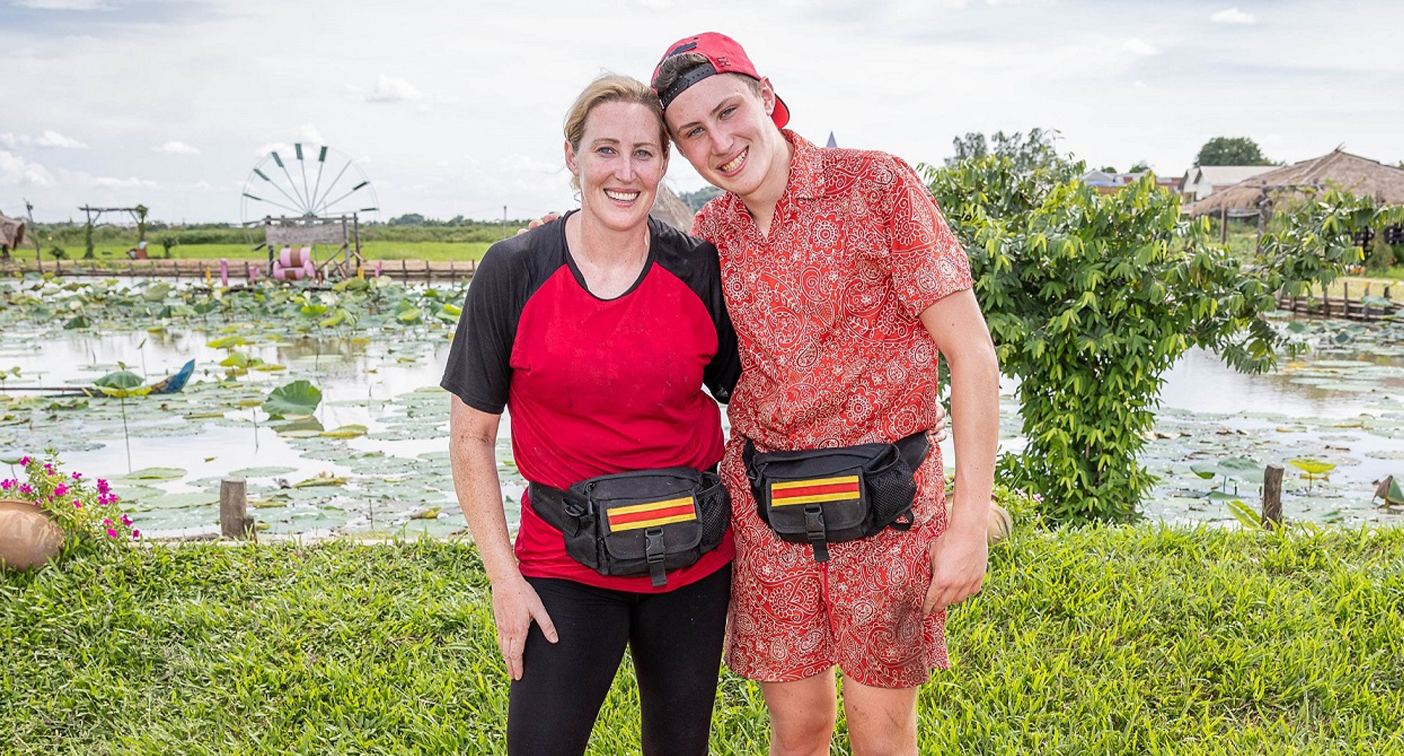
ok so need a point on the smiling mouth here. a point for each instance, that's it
(621, 196)
(735, 162)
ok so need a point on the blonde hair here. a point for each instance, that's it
(611, 88)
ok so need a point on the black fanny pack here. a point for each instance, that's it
(638, 523)
(823, 496)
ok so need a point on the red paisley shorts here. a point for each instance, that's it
(793, 618)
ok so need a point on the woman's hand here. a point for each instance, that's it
(515, 606)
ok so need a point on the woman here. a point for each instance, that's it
(599, 332)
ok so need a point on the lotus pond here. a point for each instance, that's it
(360, 447)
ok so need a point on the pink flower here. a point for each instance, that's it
(102, 486)
(77, 476)
(107, 522)
(111, 533)
(25, 488)
(6, 485)
(48, 468)
(60, 490)
(136, 534)
(24, 462)
(126, 521)
(77, 504)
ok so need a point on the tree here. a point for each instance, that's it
(1140, 167)
(1027, 153)
(695, 200)
(1231, 151)
(1092, 298)
(408, 219)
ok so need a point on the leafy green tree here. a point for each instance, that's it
(1140, 167)
(1092, 298)
(695, 200)
(408, 219)
(1027, 152)
(1231, 151)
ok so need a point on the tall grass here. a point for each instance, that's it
(1127, 640)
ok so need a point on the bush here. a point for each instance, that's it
(1091, 299)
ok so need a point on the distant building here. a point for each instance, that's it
(1203, 180)
(1352, 173)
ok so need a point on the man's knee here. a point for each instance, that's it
(802, 715)
(880, 721)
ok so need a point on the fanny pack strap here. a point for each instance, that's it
(913, 450)
(550, 504)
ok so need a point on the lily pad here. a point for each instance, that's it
(154, 473)
(296, 398)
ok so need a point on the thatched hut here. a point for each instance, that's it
(667, 207)
(11, 234)
(1338, 169)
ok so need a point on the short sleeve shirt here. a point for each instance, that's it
(597, 386)
(826, 306)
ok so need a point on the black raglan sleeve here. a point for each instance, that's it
(479, 369)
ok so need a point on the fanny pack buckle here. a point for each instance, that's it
(654, 553)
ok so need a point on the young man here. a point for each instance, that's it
(842, 280)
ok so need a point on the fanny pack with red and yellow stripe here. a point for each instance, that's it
(823, 496)
(644, 522)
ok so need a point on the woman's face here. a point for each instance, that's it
(619, 164)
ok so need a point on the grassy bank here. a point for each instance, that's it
(1136, 640)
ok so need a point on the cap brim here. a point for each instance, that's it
(781, 114)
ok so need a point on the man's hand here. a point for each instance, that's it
(547, 218)
(958, 561)
(514, 607)
(939, 432)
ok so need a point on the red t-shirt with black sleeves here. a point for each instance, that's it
(597, 386)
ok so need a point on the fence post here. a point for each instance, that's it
(234, 522)
(1272, 496)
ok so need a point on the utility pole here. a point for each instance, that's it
(504, 221)
(34, 234)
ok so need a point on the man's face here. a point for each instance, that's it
(723, 127)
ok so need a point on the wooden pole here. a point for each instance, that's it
(234, 522)
(1272, 496)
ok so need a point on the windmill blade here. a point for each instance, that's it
(321, 163)
(354, 189)
(274, 184)
(318, 203)
(271, 202)
(292, 184)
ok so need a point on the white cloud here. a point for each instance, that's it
(15, 171)
(1233, 16)
(174, 147)
(79, 5)
(51, 138)
(1139, 47)
(393, 89)
(131, 182)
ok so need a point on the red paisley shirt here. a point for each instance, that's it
(826, 306)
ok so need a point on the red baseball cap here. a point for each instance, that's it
(724, 55)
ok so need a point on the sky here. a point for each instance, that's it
(456, 108)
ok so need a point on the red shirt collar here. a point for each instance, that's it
(806, 179)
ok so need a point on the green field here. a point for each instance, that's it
(1104, 640)
(374, 250)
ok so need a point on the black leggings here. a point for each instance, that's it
(674, 637)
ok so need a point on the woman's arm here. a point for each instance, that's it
(473, 455)
(958, 558)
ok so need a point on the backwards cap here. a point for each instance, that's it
(724, 55)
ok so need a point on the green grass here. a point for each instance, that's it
(375, 250)
(1127, 640)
